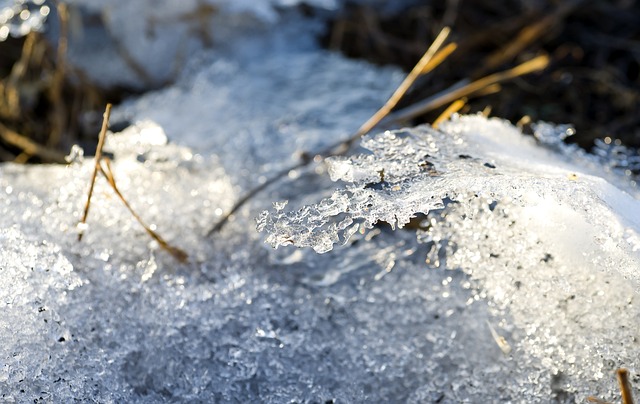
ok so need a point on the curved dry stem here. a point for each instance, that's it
(429, 61)
(101, 138)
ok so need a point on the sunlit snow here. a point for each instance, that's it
(516, 282)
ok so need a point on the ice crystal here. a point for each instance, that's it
(413, 171)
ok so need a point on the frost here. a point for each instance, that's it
(414, 171)
(528, 244)
(550, 232)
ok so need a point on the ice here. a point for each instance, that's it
(519, 285)
(542, 227)
(269, 102)
(139, 45)
(127, 323)
(415, 170)
(239, 322)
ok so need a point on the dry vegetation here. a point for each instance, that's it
(46, 105)
(586, 56)
(593, 80)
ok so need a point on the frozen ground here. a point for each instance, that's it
(525, 289)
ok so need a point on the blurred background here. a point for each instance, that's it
(48, 104)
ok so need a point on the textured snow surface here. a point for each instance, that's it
(139, 44)
(519, 285)
(549, 233)
(415, 170)
(388, 317)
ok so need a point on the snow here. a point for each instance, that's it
(519, 285)
(139, 45)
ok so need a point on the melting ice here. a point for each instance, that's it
(517, 283)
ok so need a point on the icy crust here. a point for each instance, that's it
(267, 108)
(541, 267)
(115, 319)
(34, 280)
(552, 243)
(414, 171)
(153, 175)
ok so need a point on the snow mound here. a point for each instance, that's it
(416, 170)
(114, 318)
(518, 285)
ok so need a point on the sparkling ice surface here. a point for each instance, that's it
(517, 282)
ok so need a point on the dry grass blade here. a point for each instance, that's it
(596, 400)
(439, 57)
(30, 147)
(528, 35)
(455, 106)
(429, 61)
(424, 65)
(105, 169)
(491, 89)
(468, 89)
(59, 113)
(625, 389)
(103, 166)
(625, 386)
(101, 138)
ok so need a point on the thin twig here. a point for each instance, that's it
(625, 386)
(104, 166)
(96, 168)
(429, 61)
(625, 389)
(9, 87)
(177, 253)
(596, 400)
(451, 109)
(58, 113)
(30, 147)
(466, 89)
(424, 65)
(529, 34)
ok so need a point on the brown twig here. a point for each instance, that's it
(625, 386)
(625, 389)
(528, 35)
(426, 64)
(28, 146)
(105, 169)
(596, 400)
(9, 95)
(103, 165)
(96, 168)
(59, 113)
(464, 89)
(429, 61)
(451, 109)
